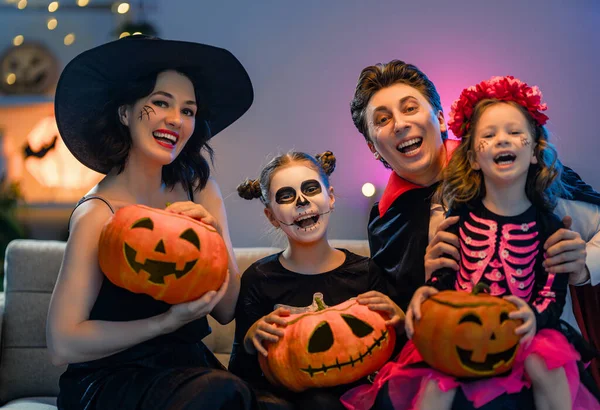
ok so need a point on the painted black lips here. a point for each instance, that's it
(492, 360)
(156, 269)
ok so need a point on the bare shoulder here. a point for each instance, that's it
(210, 195)
(89, 217)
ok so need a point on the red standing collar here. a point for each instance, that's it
(397, 185)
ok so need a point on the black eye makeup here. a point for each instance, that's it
(311, 187)
(285, 195)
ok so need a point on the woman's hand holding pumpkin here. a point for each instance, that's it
(196, 211)
(183, 313)
(267, 328)
(443, 245)
(413, 313)
(382, 303)
(525, 313)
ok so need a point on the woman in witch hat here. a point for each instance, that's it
(141, 110)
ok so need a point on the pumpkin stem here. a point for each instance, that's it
(318, 301)
(480, 288)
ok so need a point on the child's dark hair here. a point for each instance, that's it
(190, 168)
(462, 184)
(323, 163)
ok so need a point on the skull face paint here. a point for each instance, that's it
(299, 203)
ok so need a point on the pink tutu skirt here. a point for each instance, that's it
(405, 382)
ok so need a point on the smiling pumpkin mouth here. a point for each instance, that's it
(156, 269)
(351, 361)
(492, 361)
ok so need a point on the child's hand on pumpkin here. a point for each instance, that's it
(382, 303)
(413, 313)
(267, 328)
(525, 313)
(194, 210)
(183, 313)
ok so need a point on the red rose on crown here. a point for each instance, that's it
(506, 88)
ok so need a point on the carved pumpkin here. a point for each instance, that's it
(170, 257)
(467, 334)
(328, 346)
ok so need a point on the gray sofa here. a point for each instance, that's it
(28, 381)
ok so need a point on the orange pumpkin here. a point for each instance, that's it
(328, 346)
(170, 257)
(467, 334)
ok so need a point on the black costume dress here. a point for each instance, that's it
(172, 371)
(267, 283)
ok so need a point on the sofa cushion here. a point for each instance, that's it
(25, 369)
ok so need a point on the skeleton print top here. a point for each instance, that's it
(506, 253)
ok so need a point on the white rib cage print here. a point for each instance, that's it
(504, 255)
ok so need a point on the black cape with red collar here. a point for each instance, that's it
(399, 233)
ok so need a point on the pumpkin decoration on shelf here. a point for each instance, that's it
(327, 346)
(467, 334)
(168, 256)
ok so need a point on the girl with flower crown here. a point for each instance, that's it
(298, 200)
(502, 183)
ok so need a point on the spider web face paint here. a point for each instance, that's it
(525, 140)
(145, 112)
(482, 145)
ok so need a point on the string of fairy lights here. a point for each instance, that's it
(52, 22)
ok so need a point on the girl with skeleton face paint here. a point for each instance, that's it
(299, 200)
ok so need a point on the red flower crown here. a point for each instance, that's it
(500, 88)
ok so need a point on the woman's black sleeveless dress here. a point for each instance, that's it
(173, 371)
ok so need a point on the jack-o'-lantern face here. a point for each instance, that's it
(167, 256)
(473, 335)
(161, 264)
(328, 347)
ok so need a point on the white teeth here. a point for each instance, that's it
(303, 217)
(164, 135)
(409, 142)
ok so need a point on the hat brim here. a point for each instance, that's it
(88, 83)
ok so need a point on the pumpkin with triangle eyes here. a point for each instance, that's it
(327, 346)
(168, 256)
(467, 334)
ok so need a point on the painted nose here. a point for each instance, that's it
(301, 201)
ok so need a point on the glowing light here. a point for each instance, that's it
(18, 40)
(52, 23)
(123, 8)
(368, 189)
(69, 39)
(11, 78)
(22, 4)
(124, 34)
(137, 33)
(52, 7)
(83, 3)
